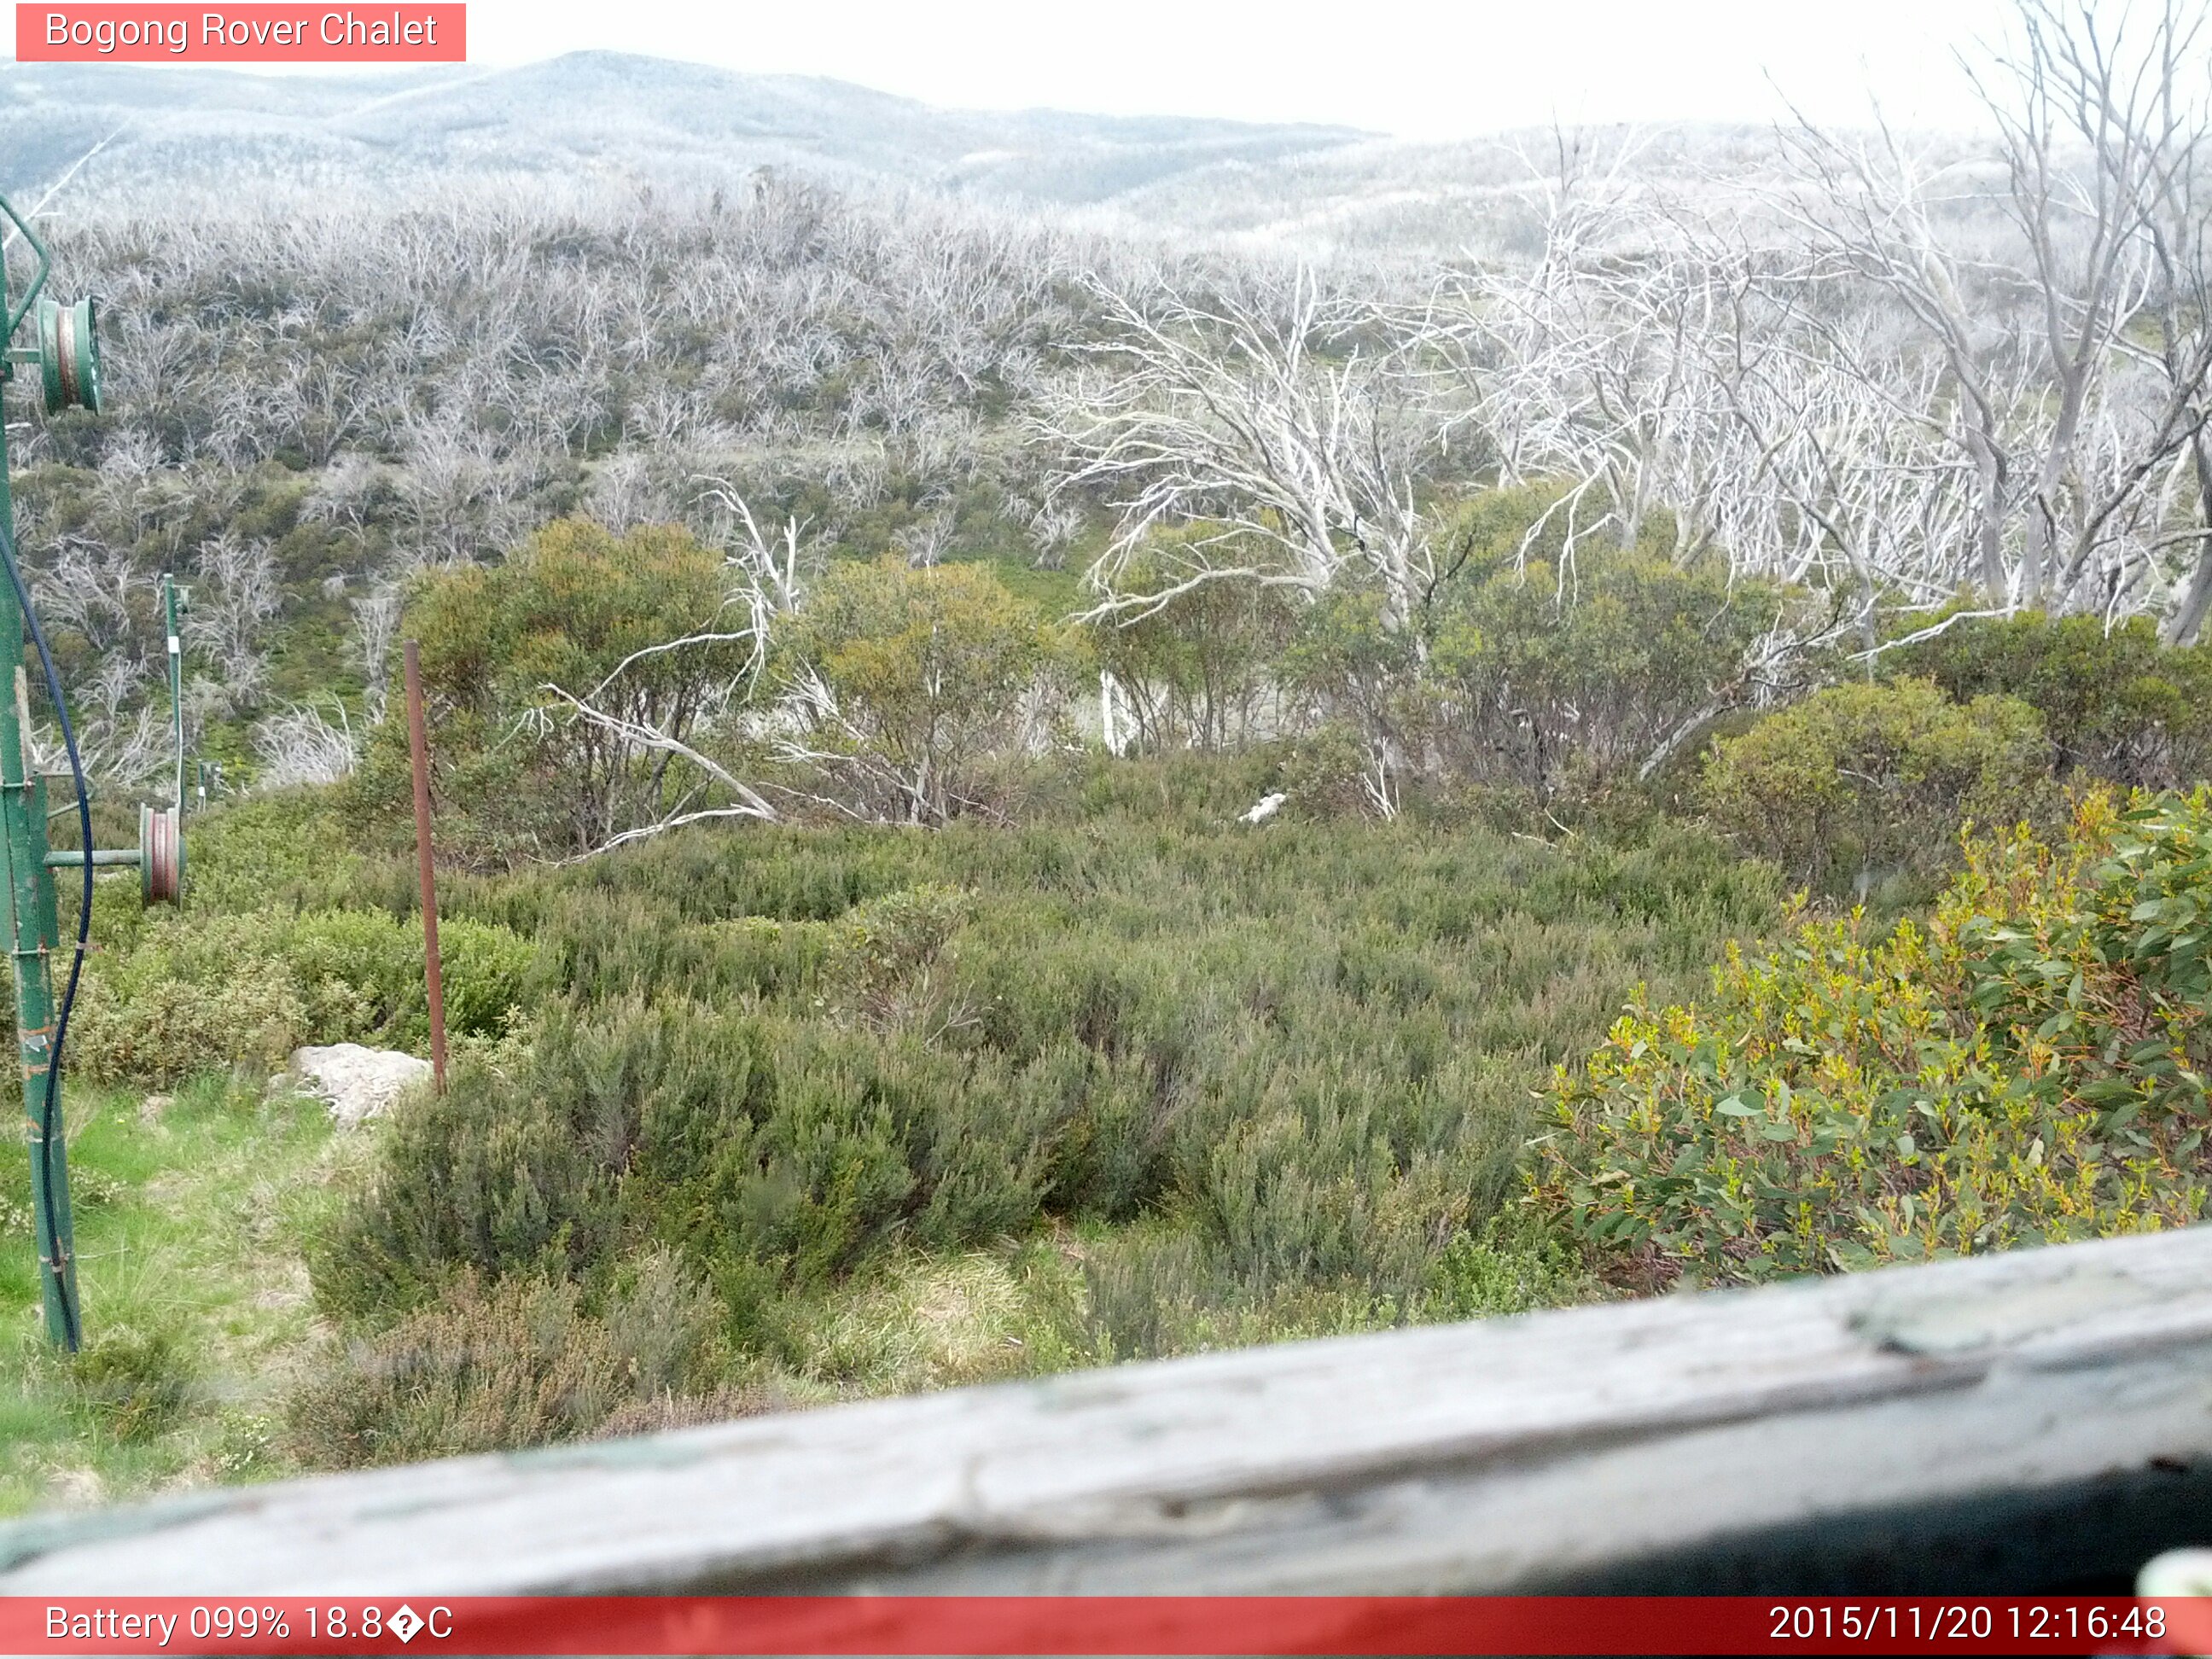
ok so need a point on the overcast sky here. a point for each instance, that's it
(1427, 68)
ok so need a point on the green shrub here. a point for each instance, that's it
(291, 849)
(1198, 671)
(1562, 674)
(1336, 771)
(926, 676)
(498, 1175)
(1312, 1049)
(1863, 780)
(362, 972)
(1151, 1291)
(137, 1384)
(1147, 1289)
(2027, 1068)
(779, 1153)
(1310, 1191)
(516, 774)
(2115, 703)
(198, 992)
(1375, 710)
(1563, 671)
(1494, 1272)
(890, 963)
(161, 1031)
(518, 1362)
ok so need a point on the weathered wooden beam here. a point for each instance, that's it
(2029, 1421)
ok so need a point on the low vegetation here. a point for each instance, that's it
(1162, 1080)
(192, 1211)
(979, 1053)
(792, 1114)
(2027, 1067)
(1864, 783)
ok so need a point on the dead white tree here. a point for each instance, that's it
(123, 736)
(924, 542)
(769, 571)
(376, 626)
(297, 747)
(1278, 432)
(88, 589)
(2177, 119)
(1834, 467)
(1909, 370)
(2093, 128)
(1053, 527)
(644, 737)
(2036, 318)
(628, 489)
(235, 598)
(1583, 367)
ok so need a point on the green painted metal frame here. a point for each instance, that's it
(175, 602)
(34, 931)
(68, 358)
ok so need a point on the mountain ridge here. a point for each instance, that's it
(162, 125)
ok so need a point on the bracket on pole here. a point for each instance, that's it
(67, 355)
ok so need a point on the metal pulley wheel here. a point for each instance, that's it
(68, 355)
(160, 856)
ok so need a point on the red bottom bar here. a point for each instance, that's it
(1103, 1625)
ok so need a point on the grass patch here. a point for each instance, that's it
(190, 1211)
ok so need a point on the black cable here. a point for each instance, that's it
(50, 1115)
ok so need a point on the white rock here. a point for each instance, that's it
(357, 1082)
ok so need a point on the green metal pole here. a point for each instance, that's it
(176, 685)
(33, 935)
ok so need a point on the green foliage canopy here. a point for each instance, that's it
(1197, 668)
(1548, 669)
(2116, 703)
(2029, 1066)
(917, 677)
(518, 772)
(1862, 780)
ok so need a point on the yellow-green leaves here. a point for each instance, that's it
(2028, 1066)
(927, 673)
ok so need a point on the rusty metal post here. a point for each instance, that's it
(419, 749)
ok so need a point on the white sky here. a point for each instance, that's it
(1426, 69)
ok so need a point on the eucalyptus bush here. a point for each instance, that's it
(1571, 676)
(2027, 1067)
(1197, 669)
(1861, 781)
(915, 682)
(2117, 703)
(575, 608)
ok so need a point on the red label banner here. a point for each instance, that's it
(126, 34)
(1101, 1625)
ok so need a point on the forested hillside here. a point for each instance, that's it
(1021, 788)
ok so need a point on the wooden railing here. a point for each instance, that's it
(2031, 1422)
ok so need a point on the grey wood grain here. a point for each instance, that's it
(1544, 1450)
